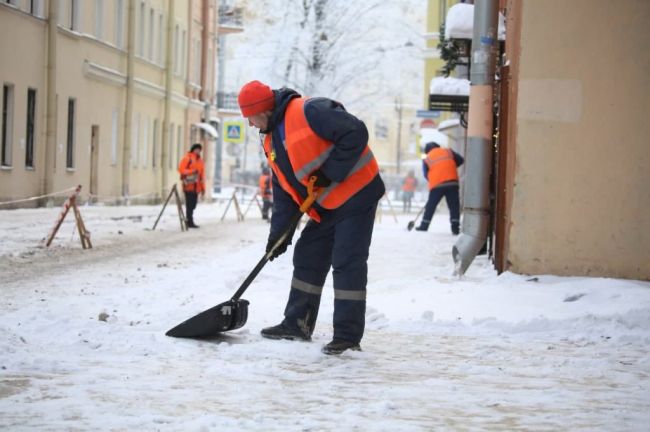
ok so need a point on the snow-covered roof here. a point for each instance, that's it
(449, 86)
(448, 124)
(433, 135)
(459, 23)
(208, 128)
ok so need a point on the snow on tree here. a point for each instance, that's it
(361, 53)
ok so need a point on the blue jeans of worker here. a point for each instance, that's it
(450, 192)
(342, 244)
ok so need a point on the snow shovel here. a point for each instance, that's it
(412, 223)
(233, 313)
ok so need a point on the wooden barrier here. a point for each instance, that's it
(71, 202)
(179, 206)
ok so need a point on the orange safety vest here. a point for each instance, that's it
(307, 152)
(192, 173)
(409, 184)
(265, 186)
(442, 166)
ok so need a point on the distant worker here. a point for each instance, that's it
(192, 173)
(265, 192)
(316, 137)
(409, 185)
(440, 169)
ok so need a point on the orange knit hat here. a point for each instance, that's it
(254, 98)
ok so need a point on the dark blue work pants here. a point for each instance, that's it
(342, 244)
(450, 192)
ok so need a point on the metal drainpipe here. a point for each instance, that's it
(128, 109)
(169, 64)
(51, 129)
(478, 161)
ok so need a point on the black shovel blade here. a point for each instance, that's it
(226, 316)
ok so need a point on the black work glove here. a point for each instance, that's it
(282, 247)
(321, 179)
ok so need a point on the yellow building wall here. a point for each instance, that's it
(436, 14)
(27, 35)
(92, 70)
(581, 199)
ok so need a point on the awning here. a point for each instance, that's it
(208, 128)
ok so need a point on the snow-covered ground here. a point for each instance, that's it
(509, 352)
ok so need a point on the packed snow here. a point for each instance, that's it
(83, 345)
(449, 86)
(459, 23)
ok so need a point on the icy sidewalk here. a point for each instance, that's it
(484, 352)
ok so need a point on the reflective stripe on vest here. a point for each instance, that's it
(442, 166)
(307, 152)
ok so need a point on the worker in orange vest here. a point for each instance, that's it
(265, 192)
(409, 185)
(316, 137)
(440, 169)
(192, 173)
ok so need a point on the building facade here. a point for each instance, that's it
(110, 96)
(577, 200)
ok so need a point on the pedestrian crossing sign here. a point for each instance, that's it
(234, 131)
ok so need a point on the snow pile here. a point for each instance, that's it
(83, 345)
(449, 86)
(460, 22)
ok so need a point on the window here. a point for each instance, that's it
(29, 130)
(114, 132)
(161, 39)
(74, 15)
(69, 155)
(179, 145)
(171, 146)
(197, 61)
(145, 142)
(7, 123)
(119, 23)
(141, 29)
(177, 61)
(154, 144)
(135, 141)
(62, 13)
(151, 35)
(99, 19)
(182, 68)
(36, 7)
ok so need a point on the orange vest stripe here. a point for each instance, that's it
(442, 166)
(307, 152)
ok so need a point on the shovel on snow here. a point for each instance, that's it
(412, 223)
(232, 314)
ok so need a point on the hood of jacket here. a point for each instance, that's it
(282, 98)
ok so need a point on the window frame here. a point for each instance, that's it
(30, 127)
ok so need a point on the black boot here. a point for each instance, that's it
(282, 331)
(424, 226)
(337, 346)
(191, 224)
